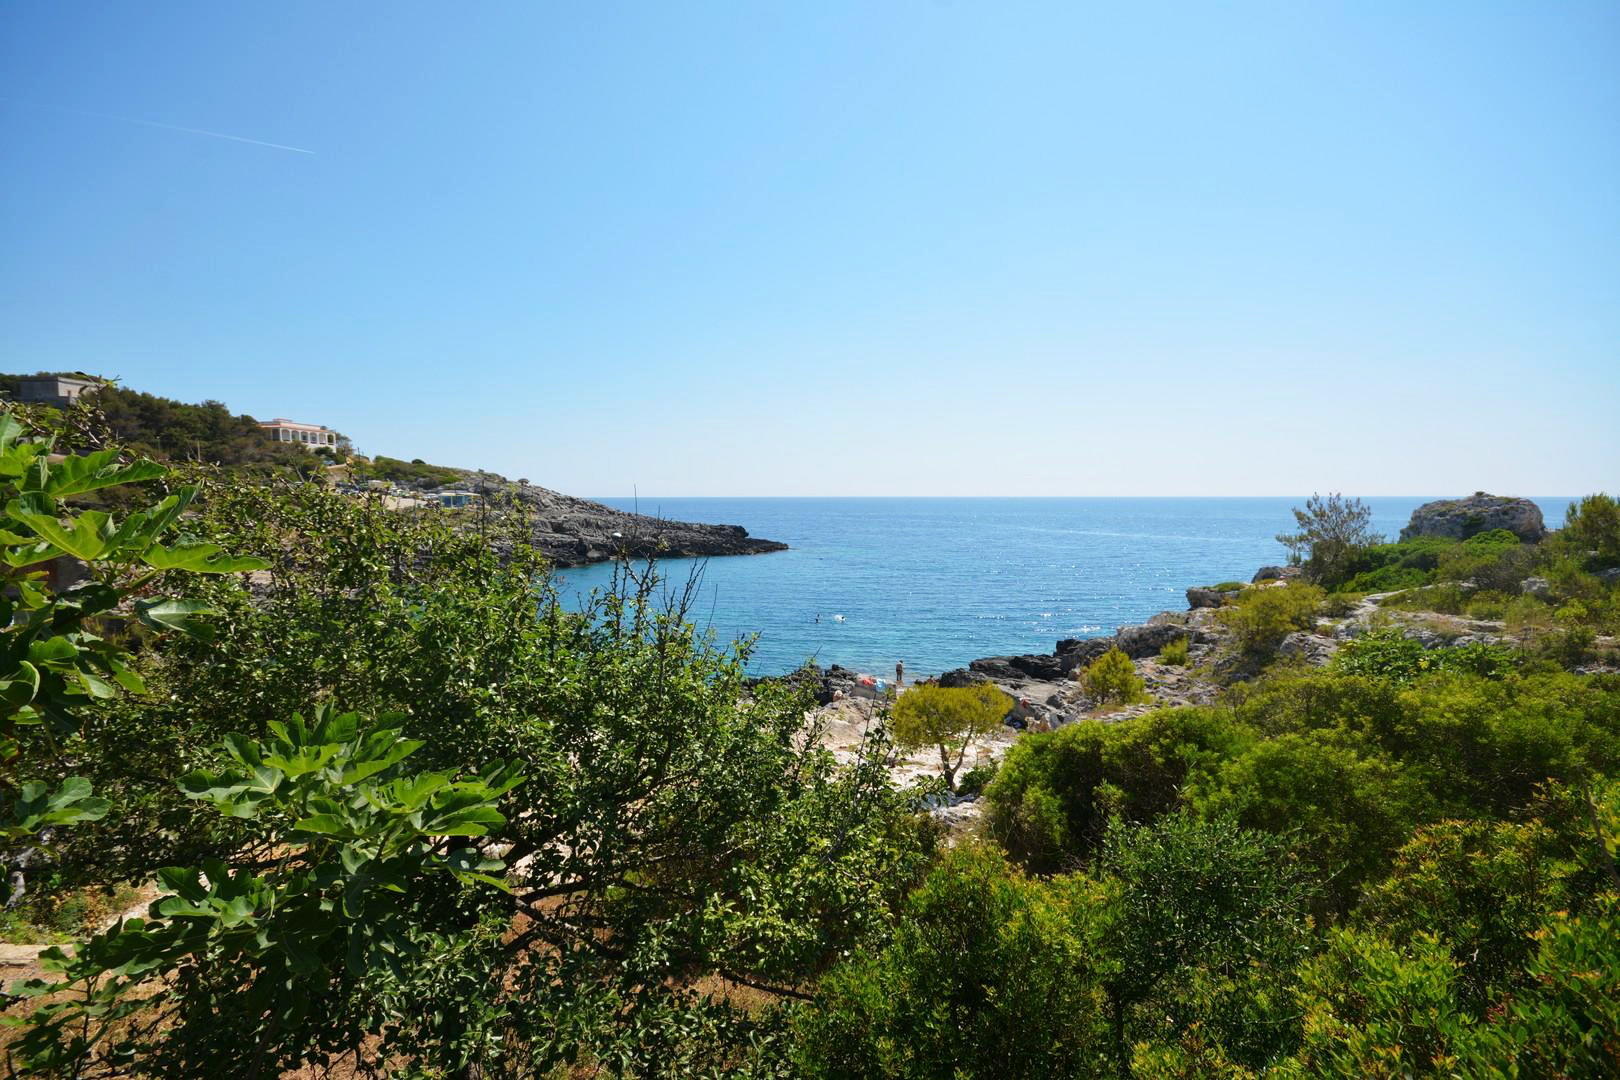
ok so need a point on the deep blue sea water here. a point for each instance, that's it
(937, 582)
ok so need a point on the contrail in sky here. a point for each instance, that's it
(166, 127)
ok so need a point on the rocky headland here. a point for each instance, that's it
(575, 532)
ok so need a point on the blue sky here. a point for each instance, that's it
(843, 248)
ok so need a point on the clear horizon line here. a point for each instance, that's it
(1291, 495)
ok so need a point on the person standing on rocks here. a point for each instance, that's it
(899, 673)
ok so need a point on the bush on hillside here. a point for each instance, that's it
(1482, 887)
(1591, 531)
(1387, 579)
(1054, 790)
(986, 976)
(413, 473)
(1344, 811)
(1175, 652)
(1389, 654)
(1111, 679)
(1401, 565)
(170, 430)
(1262, 617)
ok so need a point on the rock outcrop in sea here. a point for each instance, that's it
(1459, 519)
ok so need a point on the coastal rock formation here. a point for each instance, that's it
(1138, 642)
(1205, 598)
(1275, 573)
(1311, 648)
(960, 677)
(574, 532)
(1459, 519)
(1075, 653)
(1036, 666)
(1538, 587)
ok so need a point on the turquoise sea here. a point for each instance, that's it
(937, 582)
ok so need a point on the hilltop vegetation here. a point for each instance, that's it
(407, 815)
(168, 430)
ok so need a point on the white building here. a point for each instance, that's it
(58, 390)
(309, 436)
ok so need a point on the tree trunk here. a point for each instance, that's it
(1121, 1051)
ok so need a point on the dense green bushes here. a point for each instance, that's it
(1344, 807)
(1403, 864)
(1262, 617)
(980, 976)
(1390, 654)
(674, 825)
(171, 430)
(1055, 791)
(1181, 925)
(1591, 531)
(416, 473)
(1436, 823)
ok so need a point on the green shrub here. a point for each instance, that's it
(1316, 700)
(1229, 586)
(1263, 617)
(1493, 540)
(1447, 598)
(1344, 811)
(987, 975)
(1403, 565)
(1488, 745)
(976, 779)
(1202, 922)
(1482, 887)
(1373, 1009)
(1387, 579)
(1111, 679)
(1490, 606)
(1591, 531)
(1337, 605)
(1569, 1025)
(1054, 790)
(1567, 646)
(1389, 654)
(1491, 560)
(1175, 652)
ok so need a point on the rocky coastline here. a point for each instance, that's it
(571, 531)
(1048, 694)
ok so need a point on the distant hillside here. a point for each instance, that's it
(166, 429)
(570, 531)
